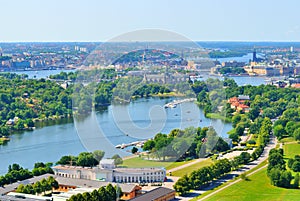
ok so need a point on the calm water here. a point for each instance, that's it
(49, 143)
(105, 128)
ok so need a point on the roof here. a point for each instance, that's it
(68, 167)
(11, 187)
(154, 194)
(243, 106)
(127, 188)
(296, 85)
(13, 198)
(107, 161)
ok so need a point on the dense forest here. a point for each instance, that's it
(23, 101)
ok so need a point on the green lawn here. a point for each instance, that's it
(258, 188)
(287, 139)
(290, 150)
(141, 162)
(218, 116)
(191, 168)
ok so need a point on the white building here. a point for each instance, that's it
(106, 171)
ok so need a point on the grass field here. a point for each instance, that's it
(257, 189)
(141, 162)
(189, 169)
(290, 150)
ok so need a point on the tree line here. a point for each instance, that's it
(277, 172)
(87, 159)
(203, 176)
(38, 187)
(183, 144)
(18, 173)
(107, 193)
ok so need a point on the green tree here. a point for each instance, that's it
(134, 150)
(98, 154)
(118, 159)
(297, 134)
(182, 186)
(279, 131)
(296, 181)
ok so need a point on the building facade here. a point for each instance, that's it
(106, 171)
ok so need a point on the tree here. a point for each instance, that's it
(296, 166)
(118, 159)
(103, 194)
(296, 181)
(134, 150)
(98, 154)
(279, 131)
(111, 191)
(86, 159)
(66, 160)
(182, 186)
(53, 183)
(297, 134)
(86, 196)
(37, 187)
(149, 145)
(39, 164)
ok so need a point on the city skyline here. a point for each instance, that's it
(67, 21)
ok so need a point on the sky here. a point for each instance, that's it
(102, 20)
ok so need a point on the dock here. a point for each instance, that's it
(174, 103)
(136, 143)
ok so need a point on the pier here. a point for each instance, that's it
(174, 103)
(137, 143)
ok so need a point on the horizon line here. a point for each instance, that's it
(248, 41)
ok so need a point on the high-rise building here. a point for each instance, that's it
(1, 52)
(254, 59)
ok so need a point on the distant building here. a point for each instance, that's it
(238, 103)
(107, 171)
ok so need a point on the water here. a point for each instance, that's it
(240, 80)
(41, 73)
(244, 58)
(49, 143)
(55, 139)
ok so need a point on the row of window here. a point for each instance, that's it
(138, 179)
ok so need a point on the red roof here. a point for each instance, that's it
(243, 106)
(296, 85)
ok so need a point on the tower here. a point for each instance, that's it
(254, 59)
(1, 52)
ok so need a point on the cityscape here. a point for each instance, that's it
(152, 101)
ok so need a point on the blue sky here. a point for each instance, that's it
(200, 20)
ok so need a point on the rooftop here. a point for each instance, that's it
(153, 194)
(84, 183)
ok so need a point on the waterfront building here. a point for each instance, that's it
(106, 171)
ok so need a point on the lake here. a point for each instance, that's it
(52, 140)
(147, 117)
